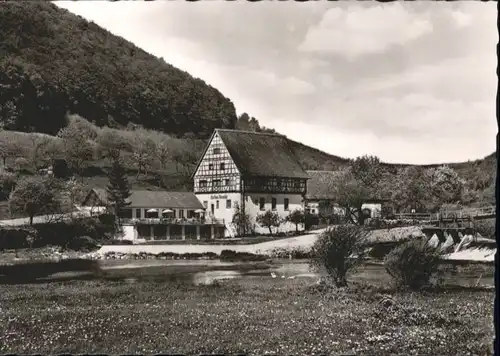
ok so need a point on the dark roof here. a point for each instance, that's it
(157, 199)
(262, 154)
(321, 185)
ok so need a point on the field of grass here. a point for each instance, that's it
(298, 316)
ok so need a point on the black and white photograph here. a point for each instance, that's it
(248, 177)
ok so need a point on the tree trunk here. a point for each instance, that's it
(361, 217)
(341, 281)
(31, 220)
(270, 231)
(297, 228)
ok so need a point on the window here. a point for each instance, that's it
(203, 183)
(216, 150)
(222, 166)
(228, 204)
(216, 204)
(216, 183)
(210, 167)
(287, 202)
(181, 213)
(205, 204)
(278, 182)
(126, 213)
(273, 203)
(262, 203)
(227, 181)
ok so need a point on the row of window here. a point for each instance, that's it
(228, 204)
(136, 212)
(262, 203)
(217, 182)
(222, 166)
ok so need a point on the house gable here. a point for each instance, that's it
(93, 199)
(216, 170)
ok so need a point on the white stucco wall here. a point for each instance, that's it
(222, 213)
(252, 208)
(129, 232)
(376, 209)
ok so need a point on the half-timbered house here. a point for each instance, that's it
(250, 171)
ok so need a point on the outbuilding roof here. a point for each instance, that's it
(157, 199)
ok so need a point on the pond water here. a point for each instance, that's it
(125, 264)
(211, 270)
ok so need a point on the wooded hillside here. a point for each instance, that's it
(52, 61)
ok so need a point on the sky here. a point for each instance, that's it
(408, 82)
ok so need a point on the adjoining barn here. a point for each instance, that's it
(321, 199)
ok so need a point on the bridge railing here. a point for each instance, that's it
(449, 214)
(414, 216)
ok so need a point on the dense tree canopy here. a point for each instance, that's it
(35, 196)
(52, 62)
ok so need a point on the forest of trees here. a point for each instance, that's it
(53, 62)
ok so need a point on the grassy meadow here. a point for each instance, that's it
(152, 311)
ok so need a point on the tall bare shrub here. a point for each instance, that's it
(339, 250)
(412, 264)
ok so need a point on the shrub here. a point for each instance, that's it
(230, 255)
(14, 238)
(60, 233)
(295, 253)
(339, 250)
(83, 127)
(310, 220)
(117, 242)
(269, 219)
(7, 184)
(296, 217)
(60, 168)
(485, 228)
(413, 263)
(82, 243)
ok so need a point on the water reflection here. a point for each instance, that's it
(121, 264)
(211, 270)
(209, 277)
